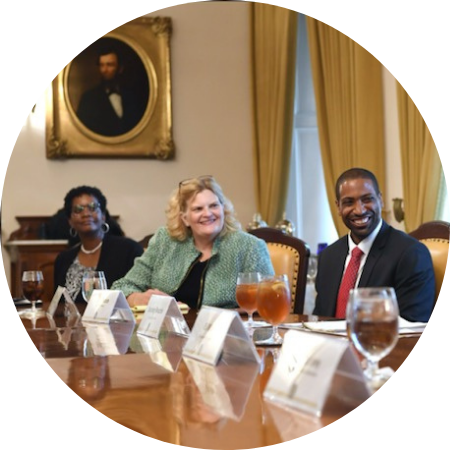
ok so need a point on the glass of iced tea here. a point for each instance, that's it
(32, 288)
(372, 325)
(273, 304)
(246, 290)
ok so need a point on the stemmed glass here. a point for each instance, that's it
(312, 268)
(372, 324)
(33, 288)
(246, 290)
(274, 304)
(92, 279)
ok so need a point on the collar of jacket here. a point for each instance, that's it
(216, 245)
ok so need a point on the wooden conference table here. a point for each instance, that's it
(162, 395)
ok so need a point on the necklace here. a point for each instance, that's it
(89, 252)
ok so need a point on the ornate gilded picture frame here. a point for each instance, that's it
(114, 98)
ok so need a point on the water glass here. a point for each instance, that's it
(92, 279)
(372, 324)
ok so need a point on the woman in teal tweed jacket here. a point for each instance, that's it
(196, 258)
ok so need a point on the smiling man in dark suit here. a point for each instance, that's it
(386, 256)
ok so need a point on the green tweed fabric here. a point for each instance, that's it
(166, 261)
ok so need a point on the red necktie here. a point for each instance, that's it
(348, 282)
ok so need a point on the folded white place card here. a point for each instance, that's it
(303, 375)
(219, 333)
(70, 309)
(107, 305)
(162, 312)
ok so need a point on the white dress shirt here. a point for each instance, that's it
(116, 102)
(365, 245)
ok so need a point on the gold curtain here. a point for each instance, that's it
(273, 51)
(421, 166)
(349, 101)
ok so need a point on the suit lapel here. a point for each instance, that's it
(375, 252)
(334, 275)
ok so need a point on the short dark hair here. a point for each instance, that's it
(108, 49)
(354, 173)
(83, 190)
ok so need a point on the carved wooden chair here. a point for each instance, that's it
(144, 241)
(289, 255)
(435, 235)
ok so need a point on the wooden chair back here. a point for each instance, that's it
(290, 256)
(144, 241)
(435, 235)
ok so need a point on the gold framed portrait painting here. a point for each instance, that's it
(114, 98)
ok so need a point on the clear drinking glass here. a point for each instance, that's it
(372, 324)
(312, 268)
(246, 290)
(273, 302)
(33, 288)
(92, 279)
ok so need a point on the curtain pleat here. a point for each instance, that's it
(349, 102)
(421, 166)
(273, 50)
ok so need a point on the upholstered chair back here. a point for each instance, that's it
(290, 256)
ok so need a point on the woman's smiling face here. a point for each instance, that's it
(204, 215)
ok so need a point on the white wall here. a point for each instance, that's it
(394, 180)
(212, 134)
(211, 125)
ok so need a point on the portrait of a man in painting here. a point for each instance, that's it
(108, 87)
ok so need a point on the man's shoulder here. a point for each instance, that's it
(94, 92)
(337, 246)
(398, 237)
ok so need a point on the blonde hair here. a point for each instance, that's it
(187, 190)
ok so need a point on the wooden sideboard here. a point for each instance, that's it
(28, 251)
(33, 255)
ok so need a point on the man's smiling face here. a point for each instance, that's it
(359, 206)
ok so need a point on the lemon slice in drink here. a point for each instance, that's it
(279, 288)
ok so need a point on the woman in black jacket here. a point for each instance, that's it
(85, 209)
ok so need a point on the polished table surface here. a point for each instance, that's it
(154, 391)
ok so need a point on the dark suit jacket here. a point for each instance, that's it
(96, 112)
(116, 259)
(395, 259)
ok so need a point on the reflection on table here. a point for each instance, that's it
(147, 386)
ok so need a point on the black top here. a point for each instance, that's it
(116, 259)
(191, 290)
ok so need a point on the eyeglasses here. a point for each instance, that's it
(189, 180)
(92, 207)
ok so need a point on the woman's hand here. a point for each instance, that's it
(142, 298)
